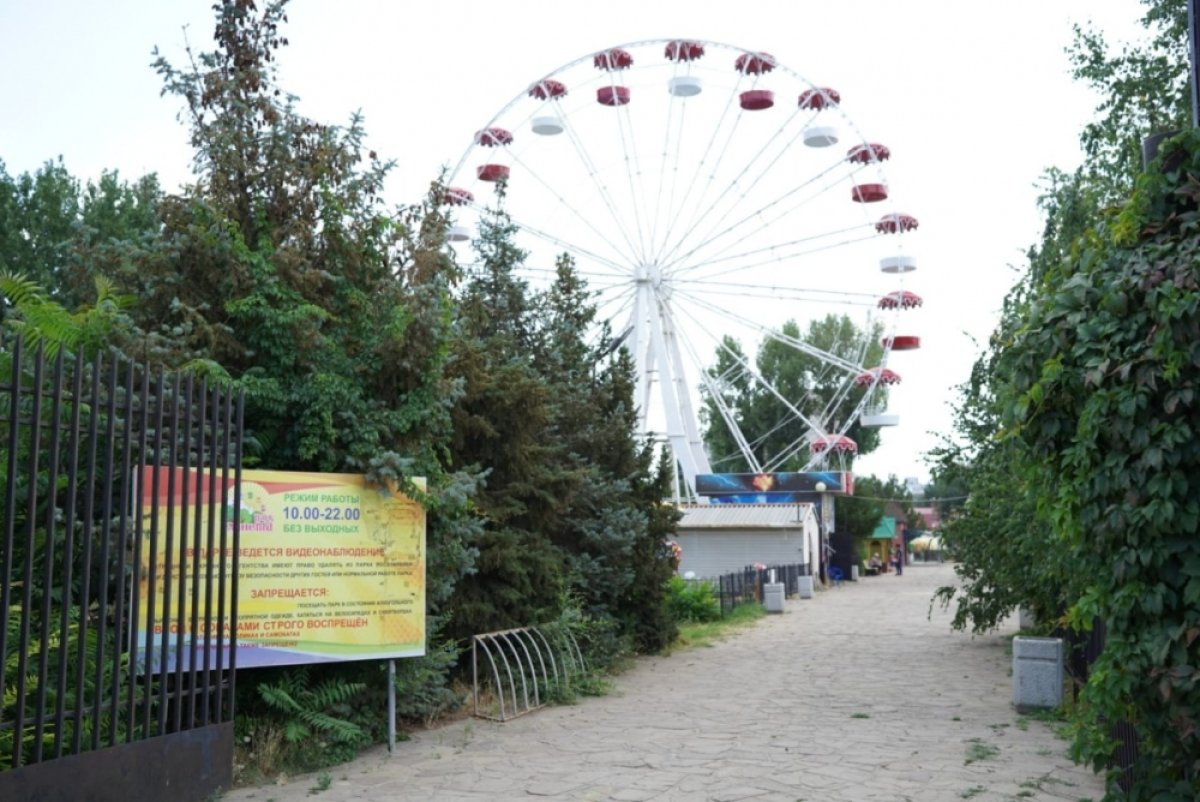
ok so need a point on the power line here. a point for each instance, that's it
(910, 500)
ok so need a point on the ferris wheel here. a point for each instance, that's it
(722, 207)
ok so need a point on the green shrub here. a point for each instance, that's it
(321, 722)
(692, 601)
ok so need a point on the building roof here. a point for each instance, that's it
(886, 529)
(743, 516)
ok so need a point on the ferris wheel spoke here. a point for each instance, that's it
(727, 414)
(618, 302)
(633, 173)
(756, 225)
(566, 245)
(763, 383)
(775, 148)
(716, 388)
(623, 255)
(673, 173)
(700, 167)
(771, 389)
(777, 335)
(766, 215)
(594, 174)
(723, 289)
(713, 170)
(769, 255)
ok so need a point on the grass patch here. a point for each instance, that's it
(970, 792)
(859, 715)
(590, 683)
(1053, 715)
(704, 633)
(1056, 718)
(978, 750)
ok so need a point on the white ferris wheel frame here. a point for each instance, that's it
(652, 327)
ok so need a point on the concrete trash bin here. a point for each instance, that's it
(854, 573)
(1037, 673)
(773, 597)
(804, 587)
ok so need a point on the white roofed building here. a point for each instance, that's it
(719, 539)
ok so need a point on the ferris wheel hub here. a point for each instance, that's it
(649, 275)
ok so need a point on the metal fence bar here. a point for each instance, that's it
(210, 536)
(85, 576)
(182, 456)
(150, 690)
(240, 412)
(35, 435)
(223, 542)
(110, 407)
(56, 400)
(139, 531)
(193, 675)
(64, 621)
(10, 496)
(165, 644)
(122, 626)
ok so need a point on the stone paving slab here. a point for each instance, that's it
(852, 696)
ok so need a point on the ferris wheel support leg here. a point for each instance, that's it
(676, 433)
(642, 355)
(686, 409)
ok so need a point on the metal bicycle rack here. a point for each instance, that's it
(521, 669)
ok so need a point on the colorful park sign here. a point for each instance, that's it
(329, 569)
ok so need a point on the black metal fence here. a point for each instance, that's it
(1082, 649)
(747, 585)
(118, 558)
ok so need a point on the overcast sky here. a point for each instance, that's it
(974, 99)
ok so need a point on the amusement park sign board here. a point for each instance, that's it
(328, 569)
(771, 488)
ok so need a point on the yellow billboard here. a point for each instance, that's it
(329, 569)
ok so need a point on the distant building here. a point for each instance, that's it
(888, 537)
(914, 486)
(930, 515)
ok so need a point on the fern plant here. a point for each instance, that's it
(308, 710)
(40, 318)
(86, 671)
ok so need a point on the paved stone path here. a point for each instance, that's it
(852, 696)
